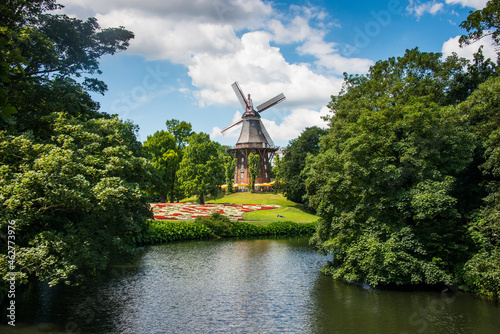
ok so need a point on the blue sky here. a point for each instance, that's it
(187, 53)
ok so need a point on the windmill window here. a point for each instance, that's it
(242, 167)
(242, 175)
(266, 174)
(242, 159)
(265, 166)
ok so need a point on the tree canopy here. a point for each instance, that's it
(37, 47)
(181, 131)
(229, 169)
(481, 23)
(161, 150)
(165, 149)
(385, 180)
(292, 181)
(201, 170)
(71, 177)
(481, 112)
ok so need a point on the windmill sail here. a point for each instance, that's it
(266, 135)
(230, 126)
(272, 102)
(240, 95)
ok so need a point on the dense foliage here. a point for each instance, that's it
(481, 112)
(229, 169)
(37, 47)
(201, 170)
(483, 22)
(165, 151)
(181, 131)
(71, 177)
(289, 169)
(160, 148)
(389, 179)
(218, 226)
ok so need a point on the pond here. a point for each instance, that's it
(250, 286)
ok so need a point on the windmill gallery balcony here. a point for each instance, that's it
(251, 145)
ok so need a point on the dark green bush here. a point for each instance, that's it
(217, 226)
(166, 231)
(220, 225)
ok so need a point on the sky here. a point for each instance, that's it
(187, 53)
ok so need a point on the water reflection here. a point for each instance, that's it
(257, 286)
(226, 287)
(347, 308)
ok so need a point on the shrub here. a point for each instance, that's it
(217, 226)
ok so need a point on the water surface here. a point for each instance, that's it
(251, 286)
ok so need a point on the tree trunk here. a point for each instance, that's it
(202, 200)
(162, 197)
(172, 188)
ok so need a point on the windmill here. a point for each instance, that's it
(253, 138)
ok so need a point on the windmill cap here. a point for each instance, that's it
(252, 132)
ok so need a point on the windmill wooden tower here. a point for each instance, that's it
(253, 139)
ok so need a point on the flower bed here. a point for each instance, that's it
(189, 211)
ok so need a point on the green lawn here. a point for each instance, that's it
(291, 211)
(294, 214)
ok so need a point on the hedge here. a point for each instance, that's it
(217, 226)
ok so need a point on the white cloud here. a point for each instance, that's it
(204, 39)
(222, 41)
(293, 124)
(203, 36)
(297, 30)
(158, 38)
(328, 57)
(418, 8)
(240, 13)
(476, 4)
(262, 71)
(452, 45)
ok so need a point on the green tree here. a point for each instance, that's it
(253, 169)
(481, 112)
(181, 131)
(75, 200)
(71, 177)
(161, 149)
(294, 161)
(276, 173)
(229, 169)
(38, 47)
(201, 170)
(384, 180)
(481, 23)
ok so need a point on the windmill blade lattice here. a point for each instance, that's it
(266, 134)
(241, 96)
(230, 126)
(272, 102)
